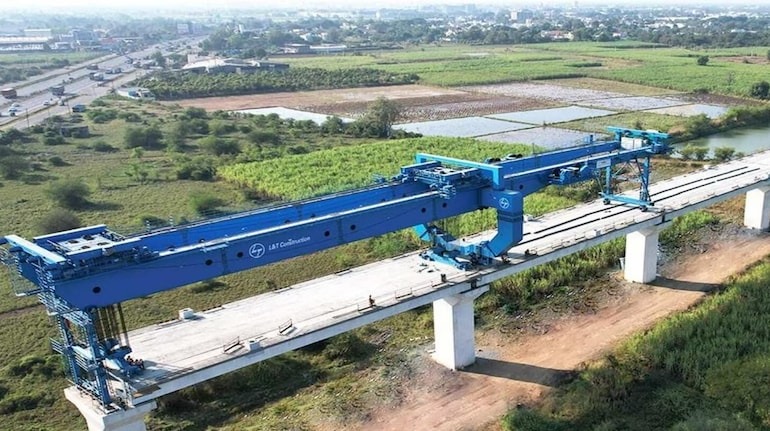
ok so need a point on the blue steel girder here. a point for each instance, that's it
(434, 188)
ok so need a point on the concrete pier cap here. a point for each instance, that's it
(130, 419)
(454, 326)
(757, 212)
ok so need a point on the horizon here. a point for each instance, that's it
(55, 6)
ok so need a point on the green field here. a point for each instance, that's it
(18, 67)
(668, 68)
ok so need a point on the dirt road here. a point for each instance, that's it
(515, 371)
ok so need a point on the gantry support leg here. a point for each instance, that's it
(757, 212)
(130, 419)
(453, 326)
(642, 255)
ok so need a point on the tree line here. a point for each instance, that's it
(168, 86)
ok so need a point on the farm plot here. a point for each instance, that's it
(546, 137)
(553, 115)
(467, 127)
(711, 111)
(294, 114)
(543, 91)
(308, 98)
(441, 107)
(633, 103)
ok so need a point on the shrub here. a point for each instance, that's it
(724, 154)
(703, 60)
(57, 220)
(218, 146)
(103, 147)
(130, 117)
(205, 203)
(760, 90)
(199, 169)
(264, 137)
(151, 221)
(700, 153)
(687, 152)
(53, 140)
(220, 128)
(69, 193)
(149, 138)
(11, 167)
(195, 113)
(57, 161)
(22, 402)
(347, 347)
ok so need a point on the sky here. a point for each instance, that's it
(65, 5)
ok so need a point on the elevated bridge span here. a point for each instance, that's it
(201, 345)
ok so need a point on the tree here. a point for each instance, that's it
(218, 146)
(699, 125)
(703, 60)
(159, 59)
(57, 220)
(379, 118)
(149, 138)
(760, 90)
(333, 125)
(70, 193)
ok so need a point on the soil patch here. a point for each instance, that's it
(442, 107)
(300, 99)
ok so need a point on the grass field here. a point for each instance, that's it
(629, 62)
(47, 57)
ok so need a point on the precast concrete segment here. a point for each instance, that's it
(642, 255)
(98, 420)
(454, 327)
(182, 353)
(757, 212)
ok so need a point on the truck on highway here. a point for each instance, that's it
(96, 76)
(8, 93)
(57, 90)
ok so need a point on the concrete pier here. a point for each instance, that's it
(131, 419)
(642, 255)
(757, 212)
(454, 326)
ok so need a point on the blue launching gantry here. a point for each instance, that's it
(83, 275)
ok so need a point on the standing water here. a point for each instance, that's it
(745, 141)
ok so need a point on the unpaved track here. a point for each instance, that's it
(516, 371)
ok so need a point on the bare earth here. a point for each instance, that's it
(419, 102)
(321, 97)
(511, 371)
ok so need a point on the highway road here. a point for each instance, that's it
(34, 94)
